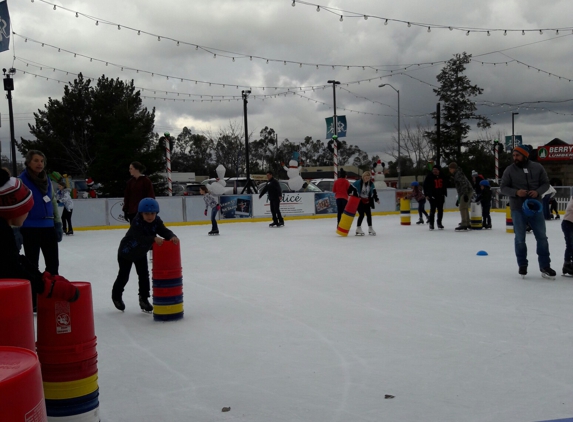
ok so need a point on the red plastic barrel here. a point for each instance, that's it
(63, 323)
(16, 314)
(21, 391)
(167, 260)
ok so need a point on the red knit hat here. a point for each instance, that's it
(15, 197)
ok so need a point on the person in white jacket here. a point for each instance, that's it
(65, 200)
(213, 202)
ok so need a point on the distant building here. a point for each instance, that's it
(557, 158)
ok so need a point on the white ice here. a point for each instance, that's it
(299, 324)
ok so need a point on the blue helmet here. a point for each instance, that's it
(148, 205)
(531, 207)
(414, 183)
(484, 183)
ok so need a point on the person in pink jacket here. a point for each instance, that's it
(418, 195)
(340, 190)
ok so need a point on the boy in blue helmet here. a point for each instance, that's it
(485, 199)
(146, 227)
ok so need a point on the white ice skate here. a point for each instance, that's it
(371, 231)
(359, 231)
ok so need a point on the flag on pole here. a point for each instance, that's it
(341, 126)
(4, 27)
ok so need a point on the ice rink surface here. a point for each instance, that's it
(299, 324)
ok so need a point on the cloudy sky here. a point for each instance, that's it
(192, 59)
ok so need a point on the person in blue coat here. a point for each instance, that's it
(365, 190)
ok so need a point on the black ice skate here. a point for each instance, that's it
(273, 225)
(431, 226)
(548, 273)
(461, 228)
(118, 303)
(440, 226)
(145, 305)
(523, 271)
(568, 269)
(420, 221)
(213, 233)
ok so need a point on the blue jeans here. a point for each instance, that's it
(567, 227)
(214, 226)
(537, 223)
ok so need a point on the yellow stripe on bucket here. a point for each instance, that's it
(168, 309)
(70, 389)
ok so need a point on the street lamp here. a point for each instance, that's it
(9, 87)
(399, 167)
(335, 124)
(513, 129)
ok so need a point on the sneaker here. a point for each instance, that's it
(145, 305)
(371, 231)
(548, 272)
(440, 226)
(523, 270)
(359, 231)
(431, 226)
(118, 303)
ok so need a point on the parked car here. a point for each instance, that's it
(192, 189)
(324, 184)
(234, 185)
(307, 187)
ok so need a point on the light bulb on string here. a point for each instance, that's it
(522, 32)
(293, 3)
(488, 34)
(341, 18)
(138, 32)
(158, 38)
(365, 17)
(54, 7)
(318, 8)
(505, 32)
(77, 16)
(468, 34)
(386, 22)
(97, 23)
(118, 27)
(540, 32)
(429, 30)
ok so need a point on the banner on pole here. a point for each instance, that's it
(341, 126)
(509, 142)
(4, 27)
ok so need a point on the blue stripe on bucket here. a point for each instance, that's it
(171, 317)
(60, 410)
(167, 300)
(171, 282)
(72, 401)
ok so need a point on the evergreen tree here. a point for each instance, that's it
(97, 132)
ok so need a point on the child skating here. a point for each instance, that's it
(485, 199)
(365, 190)
(145, 229)
(418, 195)
(65, 200)
(213, 202)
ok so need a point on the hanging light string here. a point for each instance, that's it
(428, 26)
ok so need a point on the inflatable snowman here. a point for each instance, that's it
(295, 180)
(218, 186)
(378, 175)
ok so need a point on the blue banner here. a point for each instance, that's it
(236, 206)
(4, 27)
(341, 125)
(325, 203)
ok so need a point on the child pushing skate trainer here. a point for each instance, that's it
(145, 229)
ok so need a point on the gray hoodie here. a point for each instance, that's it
(531, 177)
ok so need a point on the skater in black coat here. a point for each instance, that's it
(436, 190)
(274, 196)
(484, 198)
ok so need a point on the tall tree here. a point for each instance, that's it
(456, 94)
(97, 131)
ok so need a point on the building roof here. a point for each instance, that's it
(556, 141)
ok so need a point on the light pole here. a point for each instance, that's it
(335, 135)
(399, 167)
(513, 130)
(9, 87)
(249, 186)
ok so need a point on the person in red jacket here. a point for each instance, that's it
(340, 190)
(138, 187)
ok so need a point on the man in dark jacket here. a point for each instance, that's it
(436, 191)
(274, 196)
(465, 192)
(521, 181)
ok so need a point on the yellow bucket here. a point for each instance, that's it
(168, 309)
(70, 389)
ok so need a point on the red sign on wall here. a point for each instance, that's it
(555, 153)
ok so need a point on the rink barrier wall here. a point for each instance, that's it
(106, 213)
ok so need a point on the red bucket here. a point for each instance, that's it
(71, 371)
(16, 314)
(58, 355)
(21, 389)
(63, 323)
(167, 260)
(167, 291)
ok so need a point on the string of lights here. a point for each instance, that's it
(428, 26)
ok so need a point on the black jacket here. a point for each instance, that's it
(485, 196)
(272, 189)
(140, 237)
(14, 265)
(435, 186)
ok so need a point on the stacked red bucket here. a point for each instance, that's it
(66, 346)
(167, 282)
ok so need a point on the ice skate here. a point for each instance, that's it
(461, 228)
(440, 226)
(523, 271)
(371, 231)
(420, 221)
(118, 303)
(281, 223)
(359, 231)
(568, 268)
(145, 305)
(213, 233)
(273, 225)
(548, 273)
(431, 226)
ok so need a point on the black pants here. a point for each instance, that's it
(364, 209)
(436, 204)
(123, 276)
(340, 205)
(67, 220)
(421, 210)
(43, 239)
(486, 217)
(276, 211)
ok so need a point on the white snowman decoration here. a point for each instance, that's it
(295, 180)
(378, 170)
(218, 186)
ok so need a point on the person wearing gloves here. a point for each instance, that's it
(418, 195)
(16, 201)
(340, 190)
(365, 190)
(521, 181)
(65, 201)
(485, 199)
(436, 190)
(275, 196)
(145, 229)
(213, 202)
(465, 192)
